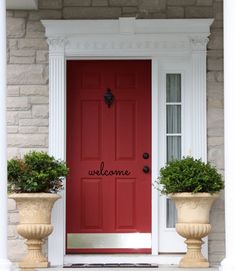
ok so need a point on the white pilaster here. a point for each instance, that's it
(228, 264)
(198, 45)
(57, 132)
(5, 264)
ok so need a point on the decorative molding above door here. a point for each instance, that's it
(127, 36)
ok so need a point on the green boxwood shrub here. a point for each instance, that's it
(189, 175)
(36, 172)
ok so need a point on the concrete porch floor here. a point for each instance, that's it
(160, 268)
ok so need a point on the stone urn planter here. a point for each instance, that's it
(193, 185)
(35, 225)
(33, 182)
(193, 224)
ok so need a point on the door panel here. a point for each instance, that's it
(91, 123)
(91, 217)
(107, 191)
(125, 130)
(125, 201)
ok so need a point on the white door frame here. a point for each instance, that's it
(165, 42)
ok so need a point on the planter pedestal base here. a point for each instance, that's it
(34, 258)
(193, 234)
(34, 233)
(194, 257)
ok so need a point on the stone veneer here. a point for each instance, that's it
(27, 101)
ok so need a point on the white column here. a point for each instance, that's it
(57, 132)
(228, 264)
(199, 142)
(5, 264)
(198, 104)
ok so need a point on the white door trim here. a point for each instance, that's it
(162, 41)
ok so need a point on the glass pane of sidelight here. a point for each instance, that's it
(173, 147)
(171, 214)
(173, 113)
(173, 88)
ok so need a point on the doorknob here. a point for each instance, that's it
(146, 169)
(146, 155)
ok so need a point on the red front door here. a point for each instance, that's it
(108, 207)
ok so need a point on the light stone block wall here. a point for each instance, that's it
(27, 101)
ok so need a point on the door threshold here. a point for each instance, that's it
(165, 259)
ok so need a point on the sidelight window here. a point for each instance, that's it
(173, 133)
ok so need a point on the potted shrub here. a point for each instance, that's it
(33, 182)
(193, 185)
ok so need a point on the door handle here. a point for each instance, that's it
(145, 155)
(146, 169)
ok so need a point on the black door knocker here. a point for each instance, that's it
(108, 97)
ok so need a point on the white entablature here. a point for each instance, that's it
(127, 36)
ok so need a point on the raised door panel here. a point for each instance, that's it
(125, 130)
(91, 204)
(125, 203)
(91, 130)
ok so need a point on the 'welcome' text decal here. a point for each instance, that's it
(104, 172)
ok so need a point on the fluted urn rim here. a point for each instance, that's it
(193, 195)
(34, 195)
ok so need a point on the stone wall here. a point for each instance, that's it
(27, 106)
